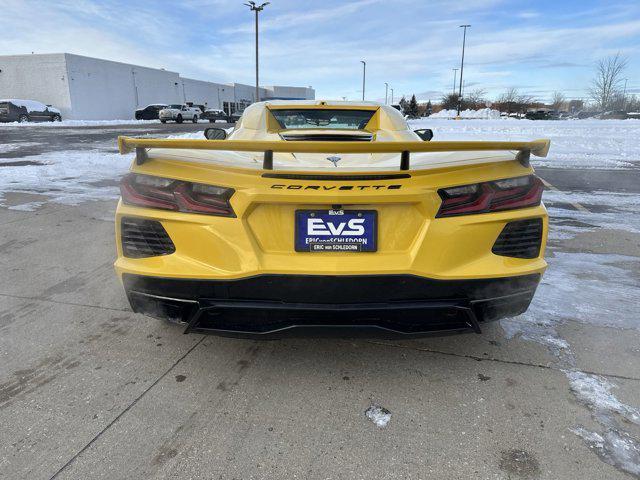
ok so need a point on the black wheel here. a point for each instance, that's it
(56, 118)
(179, 119)
(23, 118)
(212, 121)
(195, 119)
(163, 121)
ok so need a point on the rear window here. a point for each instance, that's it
(4, 105)
(332, 119)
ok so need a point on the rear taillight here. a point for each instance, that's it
(508, 194)
(177, 195)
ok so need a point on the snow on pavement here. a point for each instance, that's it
(380, 416)
(614, 447)
(68, 177)
(571, 290)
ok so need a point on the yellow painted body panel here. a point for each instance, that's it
(261, 239)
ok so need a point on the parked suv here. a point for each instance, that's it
(179, 113)
(150, 112)
(542, 115)
(16, 110)
(213, 114)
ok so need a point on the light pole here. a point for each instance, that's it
(257, 8)
(455, 75)
(464, 39)
(386, 92)
(364, 75)
(391, 95)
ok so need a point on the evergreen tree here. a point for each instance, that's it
(404, 105)
(412, 109)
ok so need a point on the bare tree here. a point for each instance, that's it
(476, 99)
(525, 101)
(449, 101)
(607, 80)
(509, 100)
(558, 100)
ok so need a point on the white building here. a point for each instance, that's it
(85, 88)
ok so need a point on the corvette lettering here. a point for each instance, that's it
(335, 187)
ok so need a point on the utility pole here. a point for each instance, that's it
(391, 96)
(364, 75)
(624, 96)
(464, 39)
(257, 8)
(386, 92)
(455, 76)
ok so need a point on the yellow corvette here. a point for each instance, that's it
(329, 217)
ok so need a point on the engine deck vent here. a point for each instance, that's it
(327, 137)
(144, 238)
(521, 239)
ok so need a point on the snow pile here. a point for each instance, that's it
(380, 416)
(483, 113)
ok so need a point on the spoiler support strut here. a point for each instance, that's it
(267, 163)
(404, 160)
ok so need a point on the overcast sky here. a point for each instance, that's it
(413, 45)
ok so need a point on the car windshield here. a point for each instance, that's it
(175, 106)
(322, 118)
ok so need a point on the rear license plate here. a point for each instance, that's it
(336, 231)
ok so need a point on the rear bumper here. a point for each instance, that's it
(272, 306)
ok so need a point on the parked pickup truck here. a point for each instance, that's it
(179, 113)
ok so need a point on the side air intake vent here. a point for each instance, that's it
(144, 238)
(520, 239)
(327, 137)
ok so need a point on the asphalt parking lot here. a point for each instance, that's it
(90, 390)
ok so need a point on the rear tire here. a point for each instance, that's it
(195, 119)
(56, 118)
(163, 121)
(212, 121)
(179, 119)
(23, 118)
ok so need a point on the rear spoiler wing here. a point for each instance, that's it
(539, 148)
